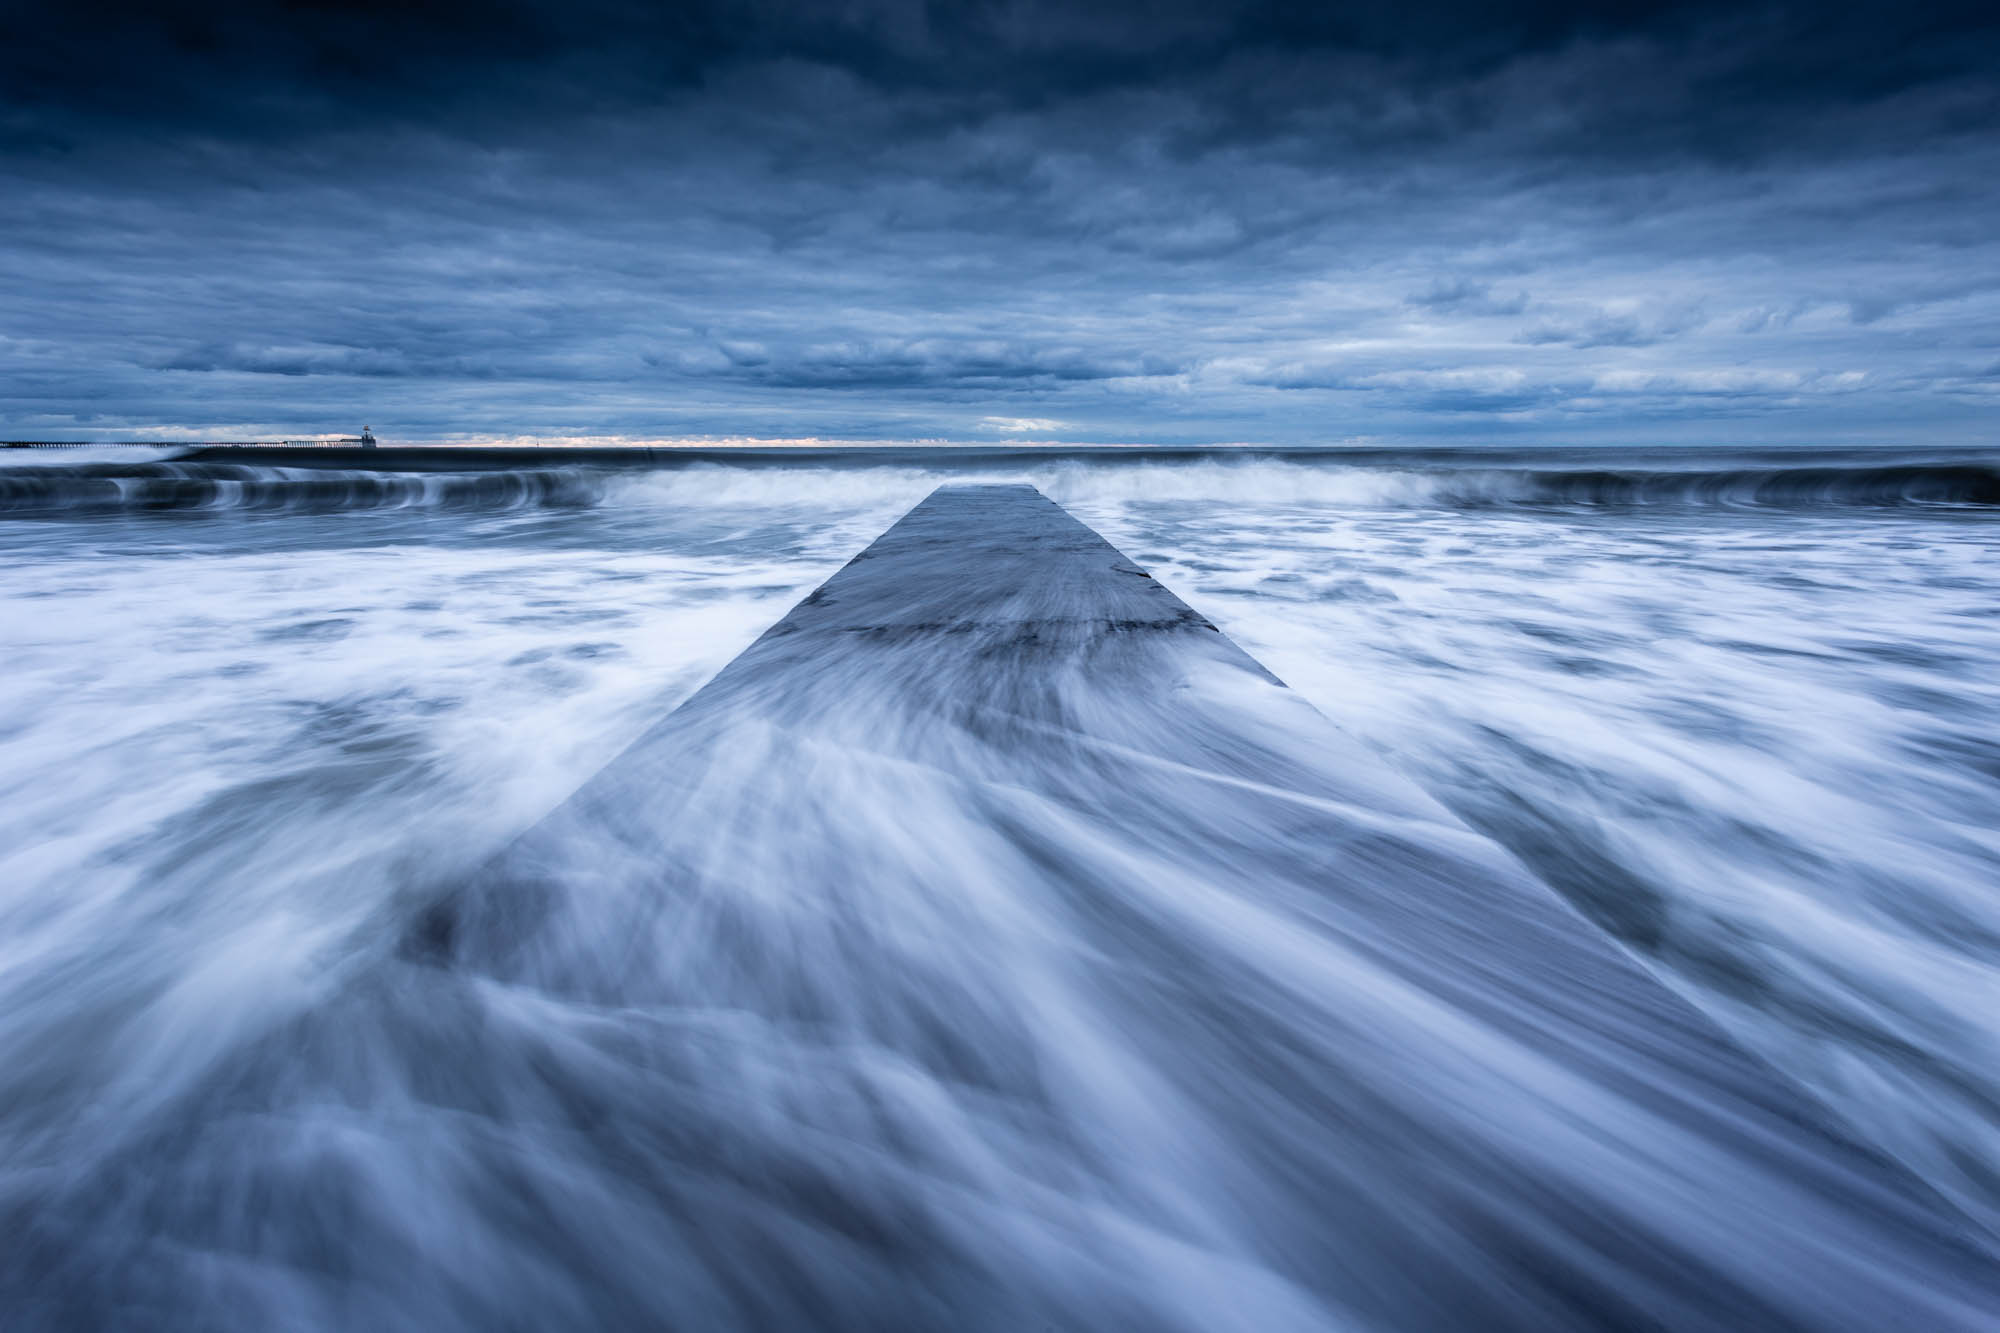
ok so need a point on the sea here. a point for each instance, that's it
(1738, 707)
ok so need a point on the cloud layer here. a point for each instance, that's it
(905, 220)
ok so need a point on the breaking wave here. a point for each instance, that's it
(1766, 488)
(197, 487)
(101, 484)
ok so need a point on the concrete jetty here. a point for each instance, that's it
(994, 825)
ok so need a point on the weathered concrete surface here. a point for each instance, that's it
(1018, 950)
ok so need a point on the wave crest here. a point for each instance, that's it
(97, 487)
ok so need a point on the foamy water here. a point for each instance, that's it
(1759, 749)
(1741, 714)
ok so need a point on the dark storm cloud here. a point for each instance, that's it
(1174, 221)
(256, 67)
(1460, 295)
(928, 363)
(1613, 328)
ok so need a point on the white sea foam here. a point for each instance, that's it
(1753, 741)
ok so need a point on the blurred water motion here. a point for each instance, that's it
(852, 1041)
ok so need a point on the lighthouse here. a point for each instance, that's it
(367, 437)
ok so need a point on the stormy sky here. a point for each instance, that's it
(886, 219)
